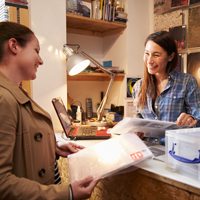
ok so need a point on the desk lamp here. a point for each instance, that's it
(78, 61)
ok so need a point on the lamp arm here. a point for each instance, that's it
(97, 63)
(112, 77)
(67, 51)
(103, 102)
(72, 46)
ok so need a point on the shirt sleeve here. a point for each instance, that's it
(11, 186)
(192, 99)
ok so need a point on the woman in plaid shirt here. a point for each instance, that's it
(164, 93)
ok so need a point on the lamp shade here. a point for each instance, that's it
(76, 63)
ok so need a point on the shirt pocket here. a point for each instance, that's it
(175, 102)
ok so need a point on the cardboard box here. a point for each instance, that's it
(183, 151)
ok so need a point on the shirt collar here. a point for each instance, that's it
(173, 74)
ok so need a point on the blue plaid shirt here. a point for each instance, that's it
(181, 94)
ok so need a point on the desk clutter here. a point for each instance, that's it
(73, 131)
(81, 116)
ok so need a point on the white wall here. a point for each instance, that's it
(48, 21)
(140, 24)
(115, 49)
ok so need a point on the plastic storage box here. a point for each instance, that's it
(183, 151)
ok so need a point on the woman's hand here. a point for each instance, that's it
(185, 119)
(83, 189)
(64, 149)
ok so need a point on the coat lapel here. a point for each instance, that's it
(21, 95)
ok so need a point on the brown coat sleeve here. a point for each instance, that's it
(11, 186)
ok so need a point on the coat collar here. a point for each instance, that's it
(13, 89)
(20, 95)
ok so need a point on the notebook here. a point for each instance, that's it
(77, 132)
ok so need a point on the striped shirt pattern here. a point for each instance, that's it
(57, 179)
(3, 11)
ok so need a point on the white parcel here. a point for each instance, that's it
(108, 157)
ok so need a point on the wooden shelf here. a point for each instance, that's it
(17, 5)
(86, 25)
(91, 76)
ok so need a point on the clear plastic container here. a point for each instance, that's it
(183, 151)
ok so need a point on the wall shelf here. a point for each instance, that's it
(17, 5)
(91, 76)
(86, 25)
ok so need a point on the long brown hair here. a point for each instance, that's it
(13, 30)
(164, 40)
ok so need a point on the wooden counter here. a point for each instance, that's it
(151, 181)
(140, 184)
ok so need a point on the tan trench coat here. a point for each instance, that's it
(27, 148)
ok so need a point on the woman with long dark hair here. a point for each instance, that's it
(164, 93)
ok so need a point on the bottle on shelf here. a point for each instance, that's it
(79, 114)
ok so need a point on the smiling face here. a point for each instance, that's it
(156, 59)
(28, 59)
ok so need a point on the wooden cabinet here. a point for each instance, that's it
(80, 30)
(83, 25)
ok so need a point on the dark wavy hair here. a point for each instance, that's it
(164, 40)
(10, 30)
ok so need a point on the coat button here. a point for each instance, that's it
(38, 137)
(41, 173)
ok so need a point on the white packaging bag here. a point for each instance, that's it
(108, 157)
(150, 127)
